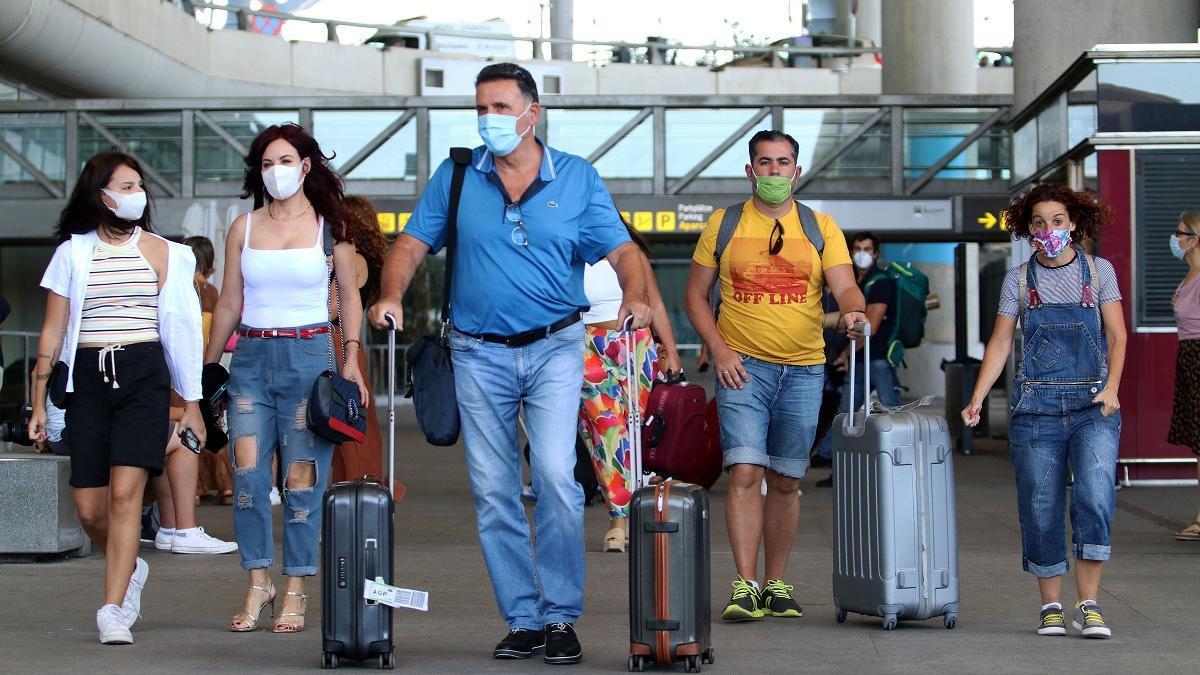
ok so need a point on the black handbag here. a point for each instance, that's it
(429, 364)
(56, 385)
(334, 411)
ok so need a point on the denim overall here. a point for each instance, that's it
(1063, 367)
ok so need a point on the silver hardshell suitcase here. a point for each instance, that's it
(895, 551)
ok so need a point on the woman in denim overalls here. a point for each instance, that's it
(1064, 397)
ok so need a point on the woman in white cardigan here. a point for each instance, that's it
(123, 321)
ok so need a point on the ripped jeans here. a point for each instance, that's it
(269, 383)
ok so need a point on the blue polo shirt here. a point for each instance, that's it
(500, 287)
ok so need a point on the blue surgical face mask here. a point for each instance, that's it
(1176, 249)
(499, 132)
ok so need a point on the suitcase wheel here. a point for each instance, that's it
(329, 660)
(840, 615)
(950, 620)
(691, 664)
(889, 622)
(636, 663)
(709, 656)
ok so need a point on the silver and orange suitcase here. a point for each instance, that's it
(670, 615)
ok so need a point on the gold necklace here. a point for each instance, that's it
(288, 220)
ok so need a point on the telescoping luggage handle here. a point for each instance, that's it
(393, 328)
(635, 412)
(865, 327)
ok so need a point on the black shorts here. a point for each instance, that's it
(123, 426)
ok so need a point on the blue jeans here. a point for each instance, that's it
(771, 422)
(883, 380)
(534, 586)
(269, 383)
(1042, 443)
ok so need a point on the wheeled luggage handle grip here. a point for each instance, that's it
(634, 428)
(865, 327)
(393, 328)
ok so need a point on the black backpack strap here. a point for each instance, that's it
(812, 230)
(461, 158)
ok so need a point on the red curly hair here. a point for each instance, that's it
(362, 229)
(1088, 214)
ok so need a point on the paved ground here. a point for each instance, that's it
(1149, 594)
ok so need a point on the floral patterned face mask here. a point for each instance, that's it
(1052, 242)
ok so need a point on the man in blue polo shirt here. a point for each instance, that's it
(529, 218)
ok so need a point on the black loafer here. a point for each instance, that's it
(520, 643)
(562, 645)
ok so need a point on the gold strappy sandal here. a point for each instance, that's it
(615, 540)
(293, 627)
(249, 621)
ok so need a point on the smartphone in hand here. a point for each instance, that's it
(190, 440)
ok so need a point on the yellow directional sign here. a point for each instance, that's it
(989, 221)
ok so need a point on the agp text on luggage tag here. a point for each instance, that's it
(402, 598)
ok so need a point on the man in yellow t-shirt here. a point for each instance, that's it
(768, 351)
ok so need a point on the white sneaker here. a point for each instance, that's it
(196, 540)
(162, 540)
(132, 605)
(276, 500)
(114, 630)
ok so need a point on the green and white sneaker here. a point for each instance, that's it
(1089, 621)
(1053, 622)
(777, 600)
(745, 604)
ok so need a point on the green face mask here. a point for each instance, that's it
(773, 189)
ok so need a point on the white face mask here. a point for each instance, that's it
(863, 260)
(129, 206)
(283, 181)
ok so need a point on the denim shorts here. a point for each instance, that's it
(772, 421)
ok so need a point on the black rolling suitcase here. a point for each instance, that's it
(356, 545)
(670, 617)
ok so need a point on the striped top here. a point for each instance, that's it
(1059, 285)
(121, 304)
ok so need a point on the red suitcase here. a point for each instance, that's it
(675, 435)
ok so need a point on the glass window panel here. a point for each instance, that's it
(450, 129)
(693, 133)
(1081, 123)
(1149, 96)
(40, 138)
(1024, 151)
(216, 160)
(930, 134)
(154, 137)
(819, 131)
(581, 132)
(345, 132)
(1052, 132)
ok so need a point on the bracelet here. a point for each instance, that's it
(855, 311)
(347, 343)
(40, 376)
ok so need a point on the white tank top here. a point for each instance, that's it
(603, 292)
(284, 288)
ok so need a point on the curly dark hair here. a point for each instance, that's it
(362, 229)
(1088, 214)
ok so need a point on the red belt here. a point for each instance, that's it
(302, 333)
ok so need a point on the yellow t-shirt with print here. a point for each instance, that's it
(771, 304)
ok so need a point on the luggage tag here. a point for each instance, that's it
(401, 598)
